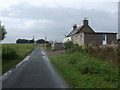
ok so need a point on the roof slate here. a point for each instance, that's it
(73, 32)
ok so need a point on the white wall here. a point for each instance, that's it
(67, 39)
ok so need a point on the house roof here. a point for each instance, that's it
(80, 29)
(101, 33)
(73, 32)
(105, 33)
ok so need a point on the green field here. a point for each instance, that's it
(14, 53)
(80, 70)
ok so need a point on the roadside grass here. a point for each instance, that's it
(43, 46)
(14, 53)
(46, 46)
(80, 70)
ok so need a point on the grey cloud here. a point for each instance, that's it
(59, 20)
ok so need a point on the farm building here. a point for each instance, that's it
(57, 46)
(85, 35)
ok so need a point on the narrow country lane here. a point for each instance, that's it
(35, 72)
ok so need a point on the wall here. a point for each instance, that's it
(79, 39)
(97, 39)
(67, 39)
(111, 38)
(86, 29)
(57, 46)
(92, 39)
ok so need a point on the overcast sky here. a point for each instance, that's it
(55, 18)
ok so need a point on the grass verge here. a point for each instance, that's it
(83, 71)
(14, 53)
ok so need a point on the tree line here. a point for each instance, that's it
(31, 41)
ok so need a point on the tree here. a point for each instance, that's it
(22, 41)
(40, 41)
(31, 41)
(2, 32)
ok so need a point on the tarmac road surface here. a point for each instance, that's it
(35, 71)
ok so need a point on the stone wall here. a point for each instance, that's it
(97, 39)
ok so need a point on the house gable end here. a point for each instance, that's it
(86, 29)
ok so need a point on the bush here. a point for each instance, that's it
(89, 49)
(118, 53)
(106, 53)
(9, 53)
(48, 46)
(68, 45)
(75, 48)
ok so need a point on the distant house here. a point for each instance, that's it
(57, 46)
(85, 35)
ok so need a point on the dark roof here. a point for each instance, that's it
(78, 30)
(105, 33)
(73, 32)
(101, 33)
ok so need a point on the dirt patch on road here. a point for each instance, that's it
(50, 52)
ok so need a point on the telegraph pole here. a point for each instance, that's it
(33, 39)
(46, 40)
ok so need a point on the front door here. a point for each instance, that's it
(104, 39)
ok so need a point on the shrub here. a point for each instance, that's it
(89, 49)
(68, 45)
(118, 53)
(48, 46)
(9, 53)
(106, 53)
(74, 48)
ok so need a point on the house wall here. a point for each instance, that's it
(92, 39)
(67, 39)
(74, 39)
(79, 39)
(97, 39)
(111, 38)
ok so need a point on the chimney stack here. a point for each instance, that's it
(74, 26)
(85, 21)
